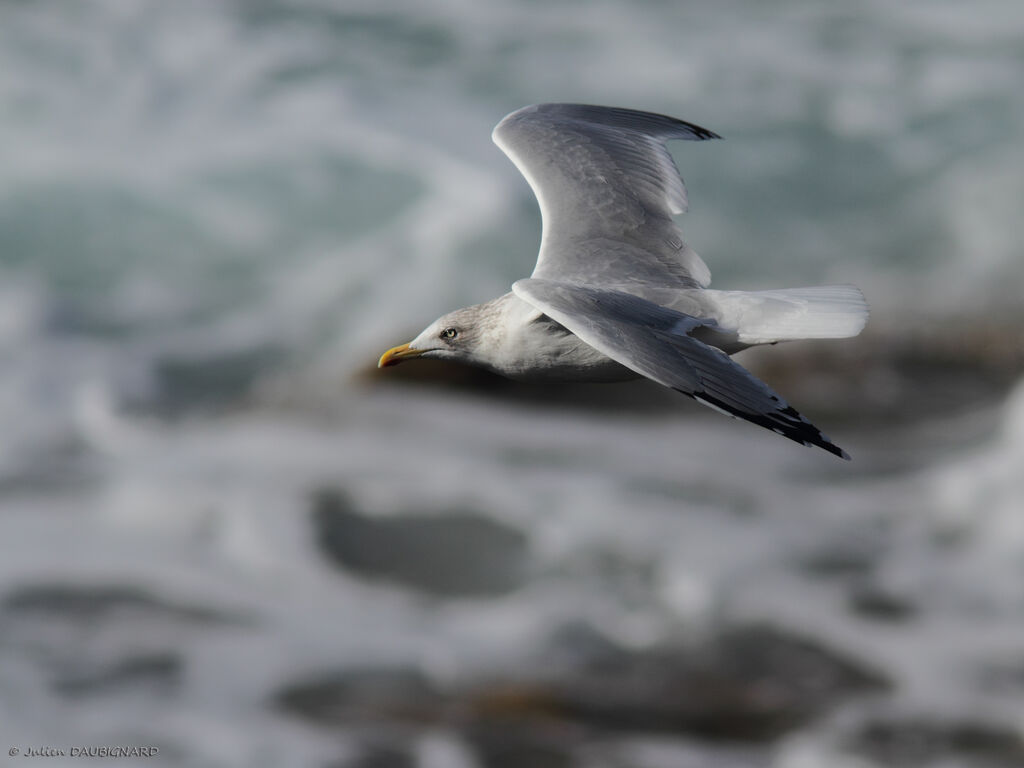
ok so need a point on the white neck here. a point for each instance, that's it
(518, 346)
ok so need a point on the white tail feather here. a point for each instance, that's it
(762, 317)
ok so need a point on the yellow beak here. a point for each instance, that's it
(395, 355)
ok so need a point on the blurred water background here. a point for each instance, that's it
(222, 536)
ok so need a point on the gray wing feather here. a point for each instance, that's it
(654, 341)
(607, 188)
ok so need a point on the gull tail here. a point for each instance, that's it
(787, 314)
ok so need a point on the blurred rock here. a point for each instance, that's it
(160, 672)
(515, 745)
(375, 700)
(89, 604)
(457, 553)
(103, 639)
(743, 685)
(898, 370)
(880, 604)
(380, 756)
(923, 743)
(335, 698)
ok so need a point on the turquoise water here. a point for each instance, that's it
(215, 215)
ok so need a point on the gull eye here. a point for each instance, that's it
(449, 333)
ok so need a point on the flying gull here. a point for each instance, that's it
(616, 293)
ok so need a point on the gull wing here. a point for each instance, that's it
(607, 189)
(654, 341)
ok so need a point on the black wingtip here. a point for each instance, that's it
(786, 421)
(832, 448)
(801, 430)
(702, 133)
(663, 126)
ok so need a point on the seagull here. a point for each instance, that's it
(616, 294)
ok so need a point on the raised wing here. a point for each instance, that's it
(654, 341)
(607, 189)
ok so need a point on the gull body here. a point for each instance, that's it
(616, 293)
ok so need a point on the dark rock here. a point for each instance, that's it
(454, 554)
(745, 684)
(53, 628)
(381, 694)
(161, 671)
(379, 756)
(909, 370)
(92, 604)
(514, 745)
(915, 743)
(878, 604)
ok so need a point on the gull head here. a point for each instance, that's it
(455, 336)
